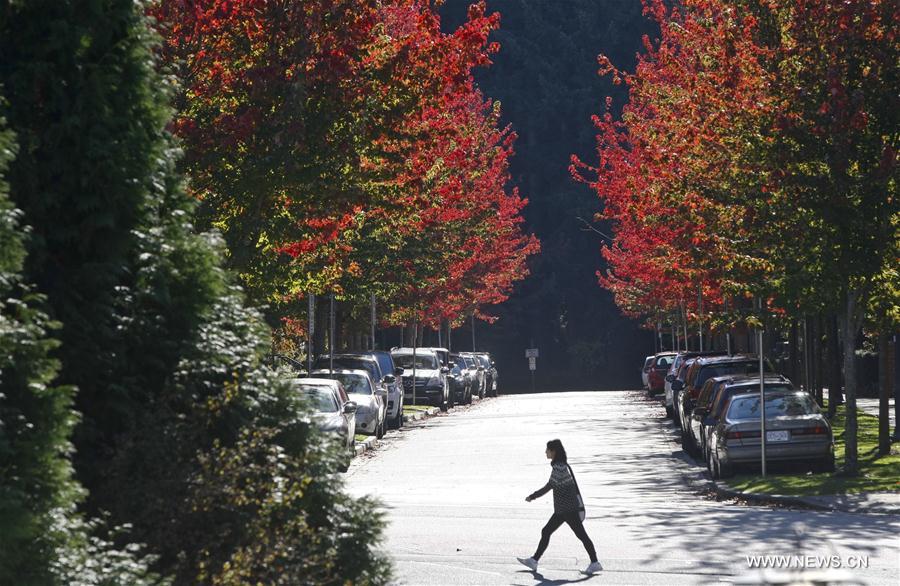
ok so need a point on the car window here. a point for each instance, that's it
(706, 393)
(469, 362)
(351, 363)
(709, 371)
(356, 384)
(425, 361)
(724, 393)
(385, 362)
(322, 398)
(746, 407)
(664, 361)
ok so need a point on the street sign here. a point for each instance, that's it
(531, 353)
(532, 363)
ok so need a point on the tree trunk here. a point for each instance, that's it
(818, 363)
(884, 395)
(850, 325)
(835, 395)
(793, 344)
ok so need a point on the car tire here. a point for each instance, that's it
(670, 413)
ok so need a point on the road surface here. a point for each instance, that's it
(454, 492)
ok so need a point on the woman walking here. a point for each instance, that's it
(568, 507)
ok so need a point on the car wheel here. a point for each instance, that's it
(686, 441)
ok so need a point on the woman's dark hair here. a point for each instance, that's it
(559, 452)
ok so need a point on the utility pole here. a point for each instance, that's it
(310, 330)
(415, 341)
(331, 337)
(700, 313)
(473, 331)
(373, 322)
(762, 390)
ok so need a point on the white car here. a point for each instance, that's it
(645, 371)
(334, 411)
(371, 401)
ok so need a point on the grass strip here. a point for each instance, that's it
(876, 473)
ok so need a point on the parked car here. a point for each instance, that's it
(334, 411)
(490, 373)
(673, 372)
(380, 367)
(703, 369)
(676, 389)
(371, 401)
(795, 430)
(656, 378)
(431, 383)
(645, 371)
(709, 410)
(476, 373)
(461, 379)
(393, 384)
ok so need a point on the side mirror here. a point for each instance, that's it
(445, 370)
(381, 393)
(349, 407)
(670, 378)
(398, 370)
(677, 385)
(493, 363)
(389, 379)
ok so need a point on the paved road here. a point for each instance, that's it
(454, 491)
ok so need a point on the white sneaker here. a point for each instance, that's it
(593, 568)
(530, 563)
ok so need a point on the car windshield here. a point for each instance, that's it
(385, 362)
(322, 398)
(664, 361)
(722, 392)
(460, 362)
(470, 363)
(745, 407)
(728, 368)
(352, 364)
(485, 361)
(356, 384)
(425, 361)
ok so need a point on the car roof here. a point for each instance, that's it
(410, 351)
(343, 371)
(666, 353)
(364, 356)
(704, 360)
(774, 393)
(318, 382)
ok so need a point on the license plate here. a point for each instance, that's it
(777, 436)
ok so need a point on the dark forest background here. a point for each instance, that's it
(545, 77)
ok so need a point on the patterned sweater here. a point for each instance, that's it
(565, 491)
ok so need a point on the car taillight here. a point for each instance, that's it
(817, 430)
(741, 434)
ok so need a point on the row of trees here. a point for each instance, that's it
(752, 175)
(342, 147)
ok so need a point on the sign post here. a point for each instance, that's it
(532, 355)
(762, 392)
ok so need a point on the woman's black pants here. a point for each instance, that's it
(555, 523)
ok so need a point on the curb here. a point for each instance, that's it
(369, 443)
(698, 481)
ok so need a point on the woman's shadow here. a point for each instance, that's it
(542, 581)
